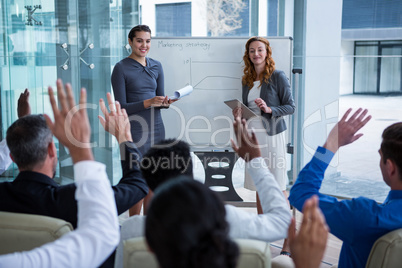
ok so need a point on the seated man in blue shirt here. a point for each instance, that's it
(361, 221)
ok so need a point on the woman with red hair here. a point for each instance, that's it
(266, 91)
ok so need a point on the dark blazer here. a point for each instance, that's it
(36, 193)
(278, 96)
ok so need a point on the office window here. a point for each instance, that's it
(244, 24)
(366, 68)
(378, 67)
(276, 17)
(272, 17)
(173, 19)
(244, 17)
(358, 14)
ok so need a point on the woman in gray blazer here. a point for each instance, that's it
(266, 91)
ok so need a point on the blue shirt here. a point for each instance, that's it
(358, 222)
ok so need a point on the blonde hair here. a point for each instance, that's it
(249, 71)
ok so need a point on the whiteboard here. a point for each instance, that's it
(214, 67)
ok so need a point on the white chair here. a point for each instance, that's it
(253, 253)
(21, 232)
(386, 251)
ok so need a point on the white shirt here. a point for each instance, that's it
(97, 233)
(256, 122)
(270, 226)
(5, 159)
(254, 94)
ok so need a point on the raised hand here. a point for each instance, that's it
(116, 122)
(263, 105)
(23, 104)
(345, 130)
(71, 125)
(308, 246)
(237, 112)
(247, 147)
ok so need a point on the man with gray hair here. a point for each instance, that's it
(35, 192)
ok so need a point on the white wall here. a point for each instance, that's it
(199, 18)
(148, 14)
(321, 72)
(347, 63)
(289, 17)
(262, 18)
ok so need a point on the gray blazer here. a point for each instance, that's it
(278, 96)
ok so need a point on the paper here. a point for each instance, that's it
(178, 94)
(247, 113)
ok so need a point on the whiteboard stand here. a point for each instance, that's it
(218, 166)
(292, 148)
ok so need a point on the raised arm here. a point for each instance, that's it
(98, 231)
(310, 178)
(116, 121)
(132, 186)
(24, 108)
(71, 124)
(273, 223)
(345, 130)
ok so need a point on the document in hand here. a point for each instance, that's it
(247, 113)
(178, 94)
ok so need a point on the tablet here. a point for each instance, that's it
(247, 113)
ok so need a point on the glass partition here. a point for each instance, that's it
(77, 41)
